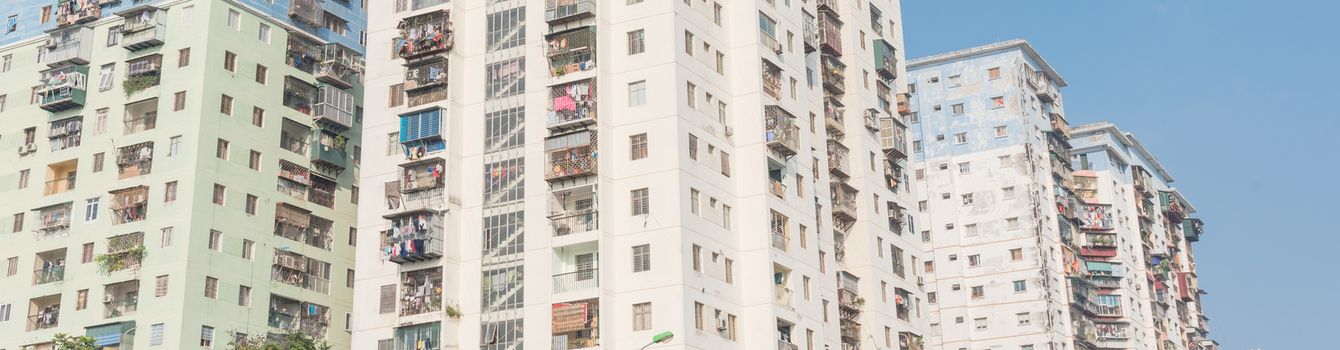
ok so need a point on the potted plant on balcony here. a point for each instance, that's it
(111, 262)
(138, 83)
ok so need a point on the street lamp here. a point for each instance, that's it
(661, 337)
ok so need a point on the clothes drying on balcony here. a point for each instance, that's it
(422, 37)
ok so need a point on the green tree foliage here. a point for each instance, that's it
(63, 341)
(291, 341)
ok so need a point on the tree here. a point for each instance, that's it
(65, 342)
(291, 341)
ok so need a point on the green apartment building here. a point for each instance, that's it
(175, 173)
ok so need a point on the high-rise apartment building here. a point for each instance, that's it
(1135, 236)
(204, 186)
(990, 164)
(586, 174)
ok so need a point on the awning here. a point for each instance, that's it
(294, 172)
(108, 334)
(1098, 266)
(289, 214)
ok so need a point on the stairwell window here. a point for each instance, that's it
(957, 109)
(642, 258)
(1016, 254)
(688, 42)
(226, 105)
(221, 149)
(1020, 286)
(960, 138)
(641, 204)
(993, 73)
(975, 260)
(641, 316)
(1002, 132)
(1012, 223)
(207, 336)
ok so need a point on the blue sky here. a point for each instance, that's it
(1237, 99)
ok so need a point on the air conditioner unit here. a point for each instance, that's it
(921, 280)
(730, 131)
(28, 148)
(777, 48)
(721, 325)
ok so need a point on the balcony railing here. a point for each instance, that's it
(299, 95)
(772, 80)
(781, 241)
(143, 29)
(575, 222)
(413, 238)
(893, 137)
(425, 34)
(780, 131)
(422, 175)
(69, 46)
(572, 51)
(830, 33)
(839, 163)
(835, 116)
(63, 88)
(59, 185)
(785, 345)
(421, 292)
(334, 107)
(307, 11)
(120, 307)
(571, 155)
(579, 280)
(834, 75)
(776, 188)
(556, 11)
(572, 104)
(302, 54)
(886, 60)
(44, 320)
(426, 75)
(844, 202)
(811, 32)
(70, 12)
(783, 296)
(48, 275)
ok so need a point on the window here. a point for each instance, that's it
(975, 260)
(235, 22)
(970, 230)
(691, 91)
(688, 42)
(1012, 223)
(3, 99)
(91, 209)
(6, 62)
(922, 206)
(215, 240)
(1020, 286)
(248, 249)
(1024, 318)
(161, 286)
(254, 163)
(264, 33)
(258, 116)
(106, 75)
(226, 105)
(221, 149)
(697, 258)
(387, 299)
(113, 34)
(916, 146)
(730, 271)
(81, 299)
(1001, 131)
(640, 202)
(230, 61)
(1016, 254)
(397, 95)
(207, 336)
(87, 256)
(964, 168)
(637, 42)
(979, 323)
(179, 101)
(957, 109)
(170, 191)
(998, 102)
(960, 138)
(183, 57)
(13, 266)
(641, 316)
(18, 222)
(637, 93)
(251, 204)
(637, 146)
(1007, 192)
(993, 73)
(694, 202)
(932, 298)
(262, 74)
(1004, 161)
(5, 311)
(955, 81)
(698, 315)
(156, 334)
(165, 237)
(642, 258)
(929, 266)
(219, 194)
(211, 287)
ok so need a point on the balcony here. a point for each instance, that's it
(135, 160)
(129, 204)
(43, 312)
(340, 66)
(309, 12)
(780, 131)
(426, 74)
(421, 132)
(834, 116)
(571, 50)
(886, 60)
(910, 341)
(299, 271)
(904, 104)
(574, 210)
(781, 231)
(870, 119)
(776, 188)
(830, 33)
(424, 34)
(63, 88)
(284, 312)
(1096, 217)
(1103, 240)
(142, 73)
(145, 26)
(121, 299)
(572, 105)
(1192, 228)
(559, 11)
(410, 337)
(769, 41)
(421, 291)
(334, 107)
(1109, 331)
(329, 154)
(71, 12)
(783, 296)
(810, 36)
(893, 138)
(302, 53)
(570, 155)
(141, 116)
(423, 175)
(576, 325)
(413, 237)
(834, 75)
(322, 191)
(772, 80)
(839, 163)
(299, 95)
(72, 46)
(124, 252)
(53, 221)
(582, 279)
(53, 273)
(1041, 86)
(844, 202)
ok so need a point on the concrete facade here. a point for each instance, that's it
(691, 191)
(187, 130)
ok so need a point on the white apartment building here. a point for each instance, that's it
(749, 193)
(989, 168)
